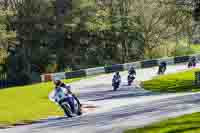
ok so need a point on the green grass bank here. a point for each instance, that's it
(176, 82)
(183, 124)
(28, 103)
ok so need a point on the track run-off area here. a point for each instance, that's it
(106, 111)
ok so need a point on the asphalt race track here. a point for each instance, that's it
(106, 111)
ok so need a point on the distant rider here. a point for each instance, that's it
(131, 75)
(192, 62)
(117, 76)
(162, 67)
(132, 71)
(116, 79)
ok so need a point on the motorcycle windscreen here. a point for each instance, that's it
(59, 95)
(56, 96)
(51, 96)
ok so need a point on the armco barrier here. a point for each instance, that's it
(127, 66)
(149, 63)
(181, 59)
(93, 71)
(118, 67)
(169, 61)
(114, 68)
(75, 74)
(3, 83)
(10, 83)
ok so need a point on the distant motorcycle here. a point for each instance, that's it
(116, 84)
(131, 78)
(63, 100)
(191, 64)
(161, 70)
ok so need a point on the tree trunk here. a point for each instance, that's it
(175, 52)
(124, 51)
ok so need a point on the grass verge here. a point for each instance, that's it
(28, 103)
(178, 82)
(183, 124)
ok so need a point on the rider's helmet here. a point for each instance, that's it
(131, 68)
(163, 64)
(57, 81)
(117, 73)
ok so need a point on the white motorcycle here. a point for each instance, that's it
(116, 84)
(62, 99)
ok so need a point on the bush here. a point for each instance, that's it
(183, 50)
(51, 68)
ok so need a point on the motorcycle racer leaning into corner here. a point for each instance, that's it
(62, 87)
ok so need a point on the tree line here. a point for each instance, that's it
(61, 35)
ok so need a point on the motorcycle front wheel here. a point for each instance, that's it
(115, 88)
(67, 110)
